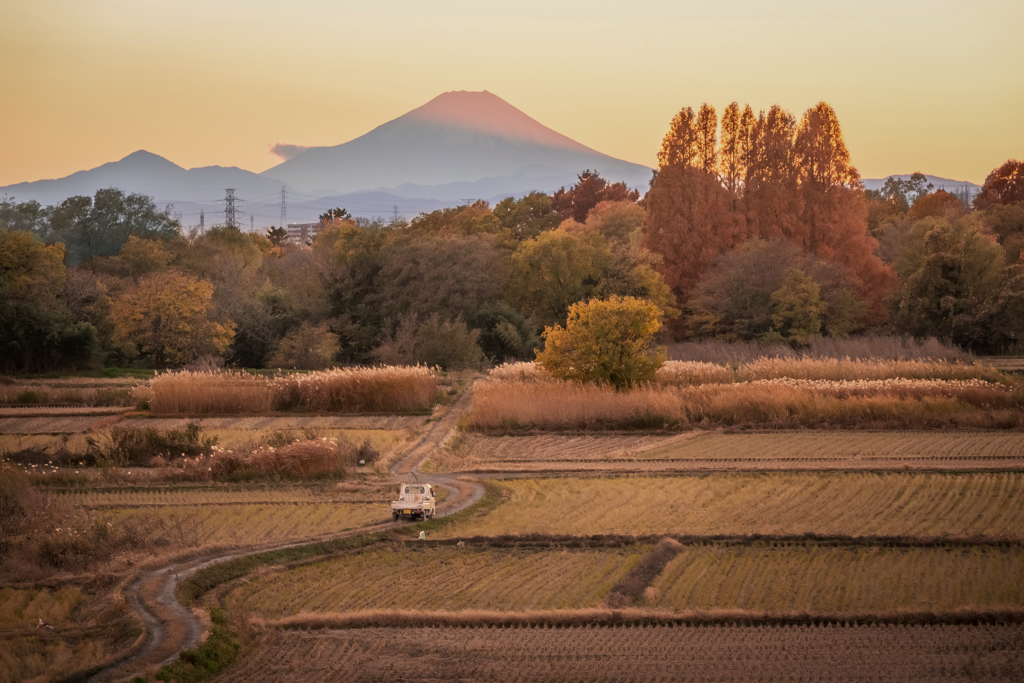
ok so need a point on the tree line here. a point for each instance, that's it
(754, 227)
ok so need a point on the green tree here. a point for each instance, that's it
(952, 274)
(734, 300)
(277, 236)
(101, 226)
(337, 214)
(797, 308)
(527, 217)
(605, 342)
(37, 332)
(554, 270)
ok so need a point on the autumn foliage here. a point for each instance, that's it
(769, 177)
(606, 342)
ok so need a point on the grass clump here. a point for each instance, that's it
(215, 654)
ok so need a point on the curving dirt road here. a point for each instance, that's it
(171, 627)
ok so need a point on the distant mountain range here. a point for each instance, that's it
(937, 182)
(459, 147)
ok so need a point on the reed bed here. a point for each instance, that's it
(49, 394)
(511, 406)
(442, 578)
(846, 369)
(210, 393)
(977, 505)
(358, 390)
(348, 390)
(723, 652)
(826, 580)
(866, 347)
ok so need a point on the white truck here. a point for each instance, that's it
(414, 501)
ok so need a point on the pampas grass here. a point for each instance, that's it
(349, 390)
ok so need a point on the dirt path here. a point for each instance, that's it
(173, 628)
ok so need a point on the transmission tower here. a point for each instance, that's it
(252, 223)
(202, 222)
(284, 214)
(229, 208)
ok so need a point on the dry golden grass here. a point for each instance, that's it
(26, 606)
(501, 404)
(207, 393)
(698, 450)
(225, 494)
(359, 390)
(441, 578)
(845, 369)
(821, 580)
(349, 390)
(862, 504)
(190, 526)
(638, 654)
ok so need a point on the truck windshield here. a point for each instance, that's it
(414, 489)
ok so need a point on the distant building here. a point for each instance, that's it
(302, 233)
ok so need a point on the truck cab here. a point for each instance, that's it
(415, 501)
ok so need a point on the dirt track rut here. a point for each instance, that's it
(171, 627)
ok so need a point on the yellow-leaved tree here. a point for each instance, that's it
(168, 316)
(608, 342)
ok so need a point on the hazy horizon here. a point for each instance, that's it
(936, 87)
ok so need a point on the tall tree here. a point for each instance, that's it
(707, 139)
(679, 148)
(771, 197)
(730, 159)
(690, 221)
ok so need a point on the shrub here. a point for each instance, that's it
(605, 341)
(128, 446)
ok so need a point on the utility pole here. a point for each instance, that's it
(229, 208)
(284, 216)
(252, 226)
(396, 213)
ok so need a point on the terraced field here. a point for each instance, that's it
(712, 451)
(186, 526)
(687, 653)
(850, 504)
(832, 580)
(441, 578)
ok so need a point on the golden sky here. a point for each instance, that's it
(932, 86)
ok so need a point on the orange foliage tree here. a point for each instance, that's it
(769, 178)
(577, 201)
